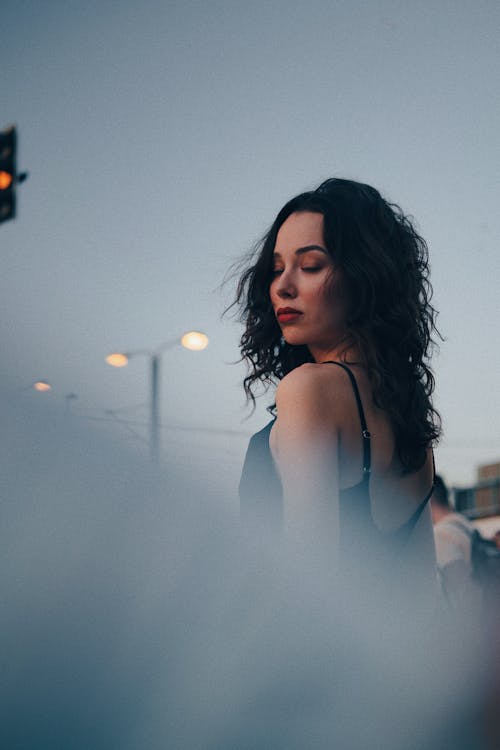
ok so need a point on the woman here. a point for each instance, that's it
(337, 310)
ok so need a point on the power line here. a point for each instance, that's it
(174, 428)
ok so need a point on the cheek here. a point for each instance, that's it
(333, 293)
(323, 295)
(329, 304)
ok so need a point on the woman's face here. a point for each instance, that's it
(307, 310)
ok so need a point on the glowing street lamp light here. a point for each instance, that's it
(195, 341)
(117, 359)
(192, 340)
(42, 386)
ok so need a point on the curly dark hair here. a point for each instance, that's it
(390, 320)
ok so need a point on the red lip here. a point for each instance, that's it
(286, 314)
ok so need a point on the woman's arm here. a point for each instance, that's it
(305, 448)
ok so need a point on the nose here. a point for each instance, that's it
(285, 287)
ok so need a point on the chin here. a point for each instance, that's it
(294, 338)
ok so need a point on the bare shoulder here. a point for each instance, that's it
(298, 379)
(310, 381)
(309, 395)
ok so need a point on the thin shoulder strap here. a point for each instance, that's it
(364, 428)
(412, 521)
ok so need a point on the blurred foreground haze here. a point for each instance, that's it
(136, 614)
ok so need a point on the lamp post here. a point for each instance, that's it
(193, 340)
(155, 408)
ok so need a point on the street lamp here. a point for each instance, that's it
(42, 386)
(193, 340)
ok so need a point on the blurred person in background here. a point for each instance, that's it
(470, 599)
(496, 538)
(453, 539)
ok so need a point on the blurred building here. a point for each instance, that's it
(481, 502)
(483, 498)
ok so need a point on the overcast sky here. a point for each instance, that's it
(162, 138)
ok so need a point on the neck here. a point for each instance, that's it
(341, 352)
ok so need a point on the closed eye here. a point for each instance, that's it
(312, 269)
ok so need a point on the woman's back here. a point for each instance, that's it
(394, 496)
(381, 513)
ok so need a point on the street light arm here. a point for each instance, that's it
(194, 340)
(120, 359)
(166, 345)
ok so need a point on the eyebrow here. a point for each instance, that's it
(305, 249)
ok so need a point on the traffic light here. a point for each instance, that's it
(8, 175)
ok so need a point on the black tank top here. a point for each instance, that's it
(261, 494)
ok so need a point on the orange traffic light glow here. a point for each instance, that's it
(5, 180)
